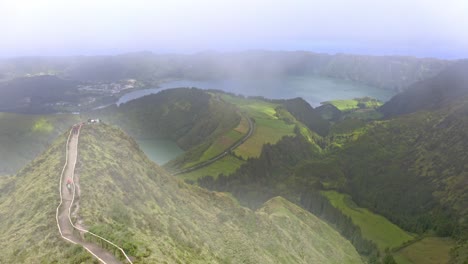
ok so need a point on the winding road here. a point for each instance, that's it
(224, 153)
(68, 230)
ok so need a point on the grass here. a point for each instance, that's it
(266, 131)
(226, 165)
(353, 104)
(269, 128)
(286, 215)
(243, 126)
(373, 226)
(43, 125)
(28, 200)
(160, 219)
(344, 105)
(429, 250)
(365, 114)
(223, 142)
(23, 137)
(155, 217)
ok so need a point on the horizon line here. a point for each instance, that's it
(221, 52)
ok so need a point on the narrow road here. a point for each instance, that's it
(66, 228)
(224, 153)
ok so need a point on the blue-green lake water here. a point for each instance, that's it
(312, 88)
(160, 150)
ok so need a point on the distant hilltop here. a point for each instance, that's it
(386, 72)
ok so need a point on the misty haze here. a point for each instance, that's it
(234, 131)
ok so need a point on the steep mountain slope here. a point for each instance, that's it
(390, 72)
(28, 229)
(23, 137)
(418, 163)
(307, 115)
(153, 216)
(410, 169)
(431, 93)
(190, 117)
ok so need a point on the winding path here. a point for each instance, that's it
(224, 153)
(68, 230)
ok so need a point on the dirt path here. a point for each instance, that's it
(65, 225)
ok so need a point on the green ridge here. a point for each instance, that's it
(156, 218)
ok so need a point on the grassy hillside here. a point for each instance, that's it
(28, 229)
(375, 228)
(272, 122)
(417, 162)
(305, 114)
(155, 217)
(193, 118)
(432, 93)
(365, 108)
(220, 144)
(188, 116)
(353, 104)
(410, 170)
(430, 250)
(23, 137)
(171, 220)
(269, 127)
(227, 165)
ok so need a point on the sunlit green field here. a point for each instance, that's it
(225, 141)
(266, 131)
(268, 127)
(430, 250)
(353, 104)
(373, 226)
(226, 165)
(344, 105)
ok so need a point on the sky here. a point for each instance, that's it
(422, 28)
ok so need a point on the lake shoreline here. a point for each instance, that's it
(313, 89)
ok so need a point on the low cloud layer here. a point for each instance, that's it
(54, 27)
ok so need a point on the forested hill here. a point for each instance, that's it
(411, 169)
(155, 217)
(432, 93)
(190, 117)
(306, 114)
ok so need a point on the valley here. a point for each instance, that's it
(174, 208)
(96, 81)
(384, 181)
(233, 132)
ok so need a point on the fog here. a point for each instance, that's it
(54, 27)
